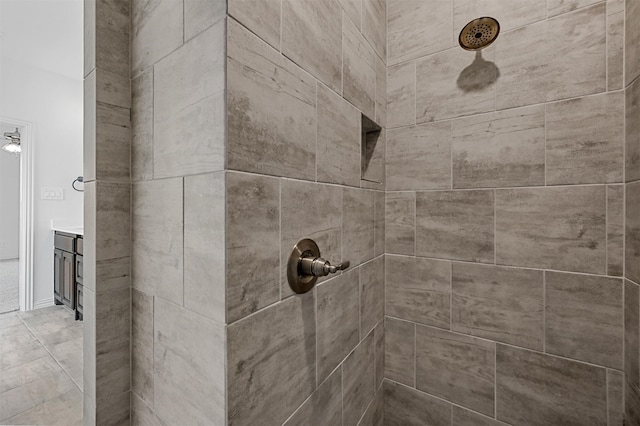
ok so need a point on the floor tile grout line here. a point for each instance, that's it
(51, 354)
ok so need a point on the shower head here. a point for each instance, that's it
(479, 33)
(12, 136)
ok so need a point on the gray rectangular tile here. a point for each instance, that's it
(157, 238)
(455, 225)
(262, 18)
(417, 28)
(399, 351)
(374, 416)
(64, 409)
(615, 44)
(519, 13)
(142, 126)
(419, 157)
(112, 349)
(569, 67)
(584, 317)
(497, 303)
(374, 25)
(253, 223)
(538, 389)
(418, 290)
(36, 392)
(310, 210)
(372, 284)
(111, 36)
(142, 415)
(456, 367)
(632, 333)
(338, 321)
(338, 139)
(358, 382)
(404, 406)
(585, 138)
(615, 230)
(631, 403)
(142, 345)
(271, 362)
(112, 222)
(311, 37)
(189, 103)
(381, 93)
(448, 84)
(554, 228)
(632, 41)
(632, 234)
(189, 366)
(462, 417)
(204, 245)
(324, 406)
(615, 398)
(400, 222)
(271, 121)
(201, 14)
(157, 29)
(558, 7)
(379, 342)
(358, 70)
(353, 9)
(632, 131)
(505, 148)
(112, 143)
(358, 216)
(379, 223)
(401, 94)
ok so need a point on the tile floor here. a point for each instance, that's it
(9, 285)
(40, 368)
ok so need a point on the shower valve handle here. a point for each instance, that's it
(306, 264)
(319, 267)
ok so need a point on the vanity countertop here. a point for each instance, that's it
(69, 228)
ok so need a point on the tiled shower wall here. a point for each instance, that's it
(632, 202)
(177, 210)
(107, 216)
(299, 76)
(505, 215)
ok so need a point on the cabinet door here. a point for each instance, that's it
(69, 278)
(58, 268)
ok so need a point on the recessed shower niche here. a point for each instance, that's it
(372, 155)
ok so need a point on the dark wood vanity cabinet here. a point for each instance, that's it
(67, 270)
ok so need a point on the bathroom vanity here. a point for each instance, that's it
(68, 269)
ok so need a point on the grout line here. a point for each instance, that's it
(606, 229)
(495, 380)
(51, 354)
(606, 387)
(487, 340)
(415, 355)
(500, 265)
(544, 311)
(510, 108)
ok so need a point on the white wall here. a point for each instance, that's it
(53, 103)
(9, 202)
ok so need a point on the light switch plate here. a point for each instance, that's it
(52, 193)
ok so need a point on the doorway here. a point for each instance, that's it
(16, 227)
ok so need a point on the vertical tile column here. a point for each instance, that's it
(632, 215)
(107, 100)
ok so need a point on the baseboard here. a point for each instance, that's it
(43, 303)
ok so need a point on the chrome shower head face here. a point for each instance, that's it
(479, 33)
